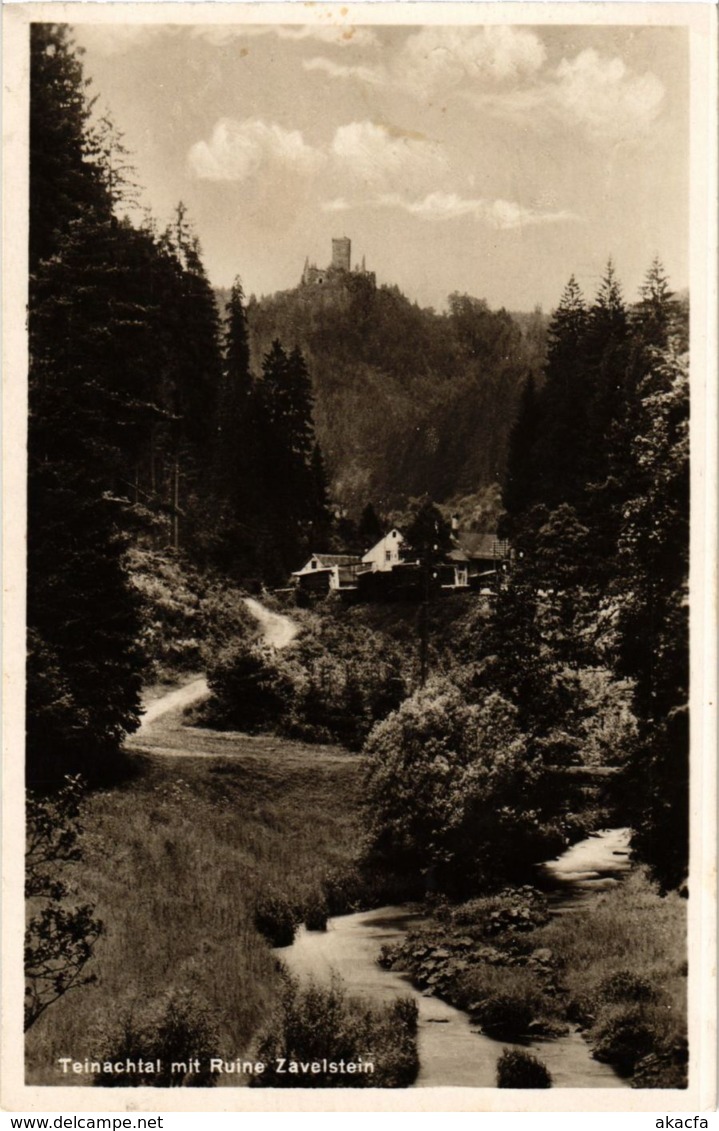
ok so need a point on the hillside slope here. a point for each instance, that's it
(407, 401)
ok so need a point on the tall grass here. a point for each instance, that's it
(176, 863)
(623, 964)
(324, 1023)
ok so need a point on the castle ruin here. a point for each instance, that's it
(339, 268)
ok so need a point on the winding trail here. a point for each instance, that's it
(278, 630)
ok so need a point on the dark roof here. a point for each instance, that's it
(472, 546)
(338, 559)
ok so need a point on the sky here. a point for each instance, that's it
(492, 160)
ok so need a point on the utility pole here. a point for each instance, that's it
(424, 623)
(176, 504)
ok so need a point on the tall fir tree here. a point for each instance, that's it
(650, 592)
(83, 662)
(67, 181)
(561, 450)
(294, 492)
(237, 465)
(519, 489)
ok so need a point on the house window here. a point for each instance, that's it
(314, 564)
(388, 555)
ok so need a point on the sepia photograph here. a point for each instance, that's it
(350, 736)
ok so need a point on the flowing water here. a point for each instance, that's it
(452, 1051)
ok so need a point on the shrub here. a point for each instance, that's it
(512, 909)
(187, 614)
(176, 1029)
(59, 939)
(517, 1069)
(276, 919)
(316, 914)
(351, 677)
(505, 1015)
(357, 888)
(663, 1069)
(252, 688)
(324, 1026)
(451, 789)
(625, 985)
(622, 1037)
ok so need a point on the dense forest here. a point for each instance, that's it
(402, 393)
(181, 456)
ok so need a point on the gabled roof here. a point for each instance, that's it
(327, 562)
(473, 546)
(398, 541)
(337, 559)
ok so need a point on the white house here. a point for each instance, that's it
(328, 571)
(386, 554)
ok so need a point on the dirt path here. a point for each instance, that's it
(161, 729)
(278, 630)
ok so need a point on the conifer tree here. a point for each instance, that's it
(370, 528)
(67, 181)
(293, 473)
(83, 663)
(650, 591)
(520, 486)
(607, 349)
(237, 462)
(561, 448)
(656, 310)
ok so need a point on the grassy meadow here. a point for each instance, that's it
(176, 861)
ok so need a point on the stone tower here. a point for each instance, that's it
(341, 252)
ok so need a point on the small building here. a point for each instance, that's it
(326, 572)
(477, 559)
(386, 554)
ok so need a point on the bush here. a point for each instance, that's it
(665, 1069)
(451, 789)
(322, 1025)
(505, 1016)
(276, 919)
(316, 914)
(625, 985)
(357, 889)
(187, 614)
(512, 909)
(252, 688)
(517, 1069)
(178, 1029)
(352, 676)
(622, 1037)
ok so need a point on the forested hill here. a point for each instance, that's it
(408, 402)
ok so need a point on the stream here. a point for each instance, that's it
(453, 1053)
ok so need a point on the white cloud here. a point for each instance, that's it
(237, 151)
(382, 156)
(369, 75)
(339, 204)
(338, 35)
(377, 156)
(603, 95)
(440, 58)
(600, 96)
(440, 206)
